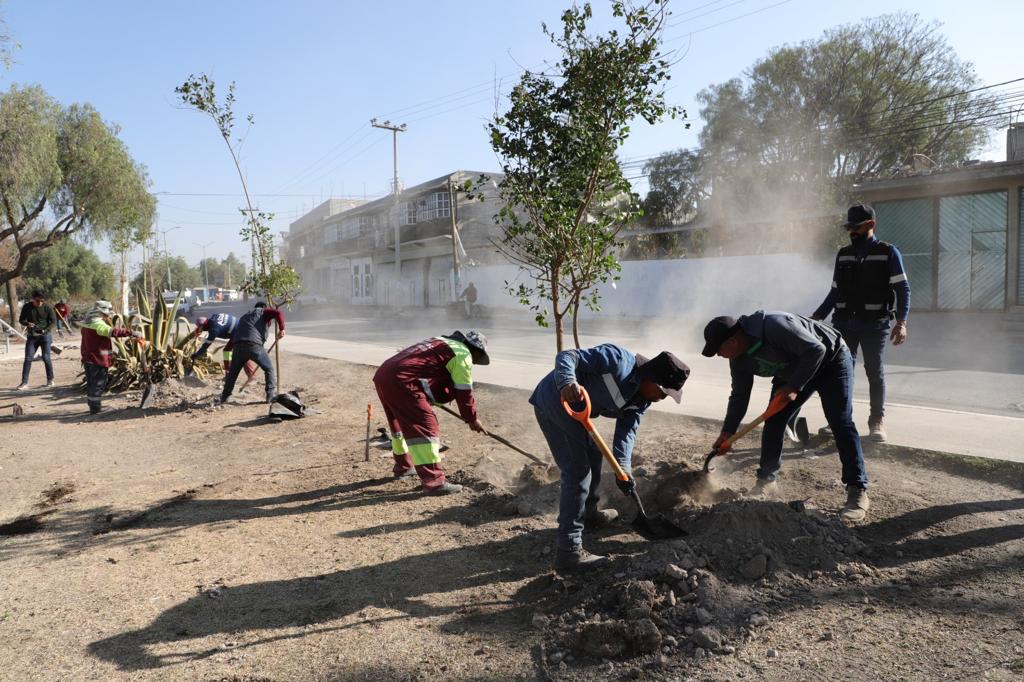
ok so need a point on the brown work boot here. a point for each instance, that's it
(876, 431)
(577, 559)
(599, 518)
(765, 488)
(857, 504)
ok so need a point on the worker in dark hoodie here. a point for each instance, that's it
(802, 356)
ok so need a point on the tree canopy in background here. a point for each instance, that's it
(788, 139)
(861, 100)
(63, 172)
(67, 270)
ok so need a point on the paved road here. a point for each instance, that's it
(949, 409)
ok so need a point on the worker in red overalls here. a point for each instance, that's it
(434, 371)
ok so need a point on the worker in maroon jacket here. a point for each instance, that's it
(434, 371)
(97, 350)
(248, 339)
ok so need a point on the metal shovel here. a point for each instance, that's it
(651, 527)
(775, 406)
(498, 438)
(147, 392)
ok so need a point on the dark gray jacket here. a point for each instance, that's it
(789, 348)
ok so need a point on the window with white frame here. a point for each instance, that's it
(435, 205)
(407, 213)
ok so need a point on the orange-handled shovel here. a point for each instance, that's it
(651, 527)
(777, 403)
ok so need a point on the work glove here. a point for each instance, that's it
(139, 334)
(627, 486)
(720, 445)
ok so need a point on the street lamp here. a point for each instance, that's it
(167, 254)
(206, 278)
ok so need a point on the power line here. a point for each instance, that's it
(727, 21)
(717, 9)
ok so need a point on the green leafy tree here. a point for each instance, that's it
(564, 194)
(677, 188)
(277, 281)
(809, 120)
(182, 275)
(64, 173)
(66, 270)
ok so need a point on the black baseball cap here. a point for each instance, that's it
(716, 332)
(667, 371)
(859, 213)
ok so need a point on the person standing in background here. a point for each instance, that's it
(869, 289)
(39, 320)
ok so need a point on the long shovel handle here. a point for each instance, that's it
(500, 439)
(775, 406)
(583, 417)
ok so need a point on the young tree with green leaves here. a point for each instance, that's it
(277, 281)
(564, 195)
(64, 173)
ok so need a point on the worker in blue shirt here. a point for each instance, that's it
(868, 282)
(621, 385)
(219, 326)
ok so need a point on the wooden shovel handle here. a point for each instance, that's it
(583, 417)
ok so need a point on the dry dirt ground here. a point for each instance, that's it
(202, 543)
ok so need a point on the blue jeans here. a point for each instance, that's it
(872, 342)
(243, 353)
(31, 344)
(834, 384)
(580, 463)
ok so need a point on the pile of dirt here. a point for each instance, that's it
(698, 595)
(181, 394)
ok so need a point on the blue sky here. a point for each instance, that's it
(314, 72)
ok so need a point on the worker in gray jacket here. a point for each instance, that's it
(802, 356)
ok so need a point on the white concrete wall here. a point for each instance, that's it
(696, 287)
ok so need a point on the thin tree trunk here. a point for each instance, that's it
(12, 302)
(559, 329)
(575, 320)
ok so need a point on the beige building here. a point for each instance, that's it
(406, 250)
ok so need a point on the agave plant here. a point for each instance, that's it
(166, 352)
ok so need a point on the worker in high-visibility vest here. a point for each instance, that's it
(433, 371)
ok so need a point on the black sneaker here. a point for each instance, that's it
(408, 473)
(577, 559)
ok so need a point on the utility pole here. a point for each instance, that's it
(206, 278)
(395, 129)
(456, 274)
(167, 254)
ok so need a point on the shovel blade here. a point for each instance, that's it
(147, 397)
(657, 528)
(654, 527)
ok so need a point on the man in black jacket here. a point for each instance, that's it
(39, 321)
(802, 356)
(248, 338)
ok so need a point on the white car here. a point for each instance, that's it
(303, 300)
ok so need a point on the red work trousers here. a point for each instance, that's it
(413, 426)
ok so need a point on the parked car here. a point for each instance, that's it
(303, 300)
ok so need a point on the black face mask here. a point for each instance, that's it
(854, 237)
